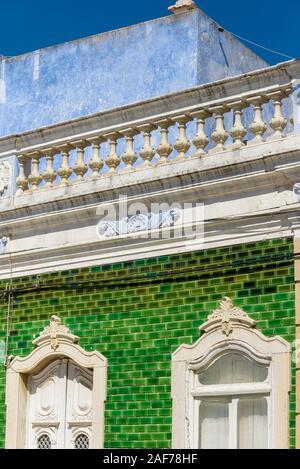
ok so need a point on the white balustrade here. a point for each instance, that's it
(147, 151)
(129, 157)
(219, 135)
(164, 149)
(49, 174)
(96, 163)
(182, 143)
(238, 130)
(80, 167)
(65, 171)
(216, 128)
(278, 123)
(201, 139)
(258, 126)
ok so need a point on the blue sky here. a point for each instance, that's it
(27, 25)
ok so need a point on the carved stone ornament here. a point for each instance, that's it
(226, 317)
(54, 334)
(136, 223)
(4, 175)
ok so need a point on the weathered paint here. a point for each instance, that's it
(117, 68)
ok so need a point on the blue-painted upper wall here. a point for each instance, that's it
(117, 68)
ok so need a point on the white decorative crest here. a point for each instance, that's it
(226, 317)
(182, 5)
(55, 333)
(139, 222)
(4, 175)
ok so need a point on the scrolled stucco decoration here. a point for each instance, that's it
(226, 317)
(55, 333)
(4, 176)
(139, 222)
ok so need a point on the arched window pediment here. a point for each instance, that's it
(217, 352)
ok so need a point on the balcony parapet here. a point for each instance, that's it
(224, 117)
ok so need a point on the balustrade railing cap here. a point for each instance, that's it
(96, 140)
(114, 135)
(181, 118)
(257, 100)
(148, 127)
(201, 114)
(129, 132)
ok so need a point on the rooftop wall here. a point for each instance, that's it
(117, 68)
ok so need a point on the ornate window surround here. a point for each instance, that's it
(230, 329)
(55, 341)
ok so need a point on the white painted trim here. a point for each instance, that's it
(229, 389)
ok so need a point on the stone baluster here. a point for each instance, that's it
(22, 181)
(113, 160)
(49, 174)
(219, 135)
(96, 163)
(35, 177)
(201, 140)
(164, 149)
(147, 152)
(278, 123)
(238, 130)
(65, 171)
(80, 167)
(129, 157)
(182, 143)
(258, 126)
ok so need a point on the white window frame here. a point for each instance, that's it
(55, 341)
(232, 415)
(230, 330)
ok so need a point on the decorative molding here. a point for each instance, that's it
(226, 317)
(137, 223)
(5, 169)
(55, 333)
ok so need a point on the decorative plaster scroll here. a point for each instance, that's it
(226, 316)
(5, 168)
(55, 333)
(140, 222)
(3, 244)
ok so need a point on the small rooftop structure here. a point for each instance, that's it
(118, 68)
